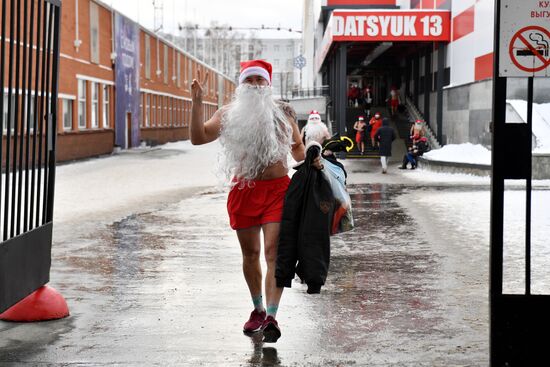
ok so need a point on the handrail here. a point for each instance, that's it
(417, 115)
(322, 91)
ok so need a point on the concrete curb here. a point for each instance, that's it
(540, 161)
(455, 167)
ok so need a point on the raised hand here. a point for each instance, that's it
(197, 87)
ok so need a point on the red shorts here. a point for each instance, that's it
(395, 103)
(257, 203)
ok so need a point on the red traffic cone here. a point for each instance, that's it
(43, 304)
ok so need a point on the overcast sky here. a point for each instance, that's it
(237, 13)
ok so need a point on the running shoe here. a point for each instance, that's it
(255, 322)
(271, 330)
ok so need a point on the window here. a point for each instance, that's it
(95, 105)
(5, 117)
(189, 73)
(147, 56)
(67, 114)
(165, 114)
(147, 103)
(106, 106)
(81, 104)
(178, 72)
(165, 64)
(94, 33)
(170, 119)
(142, 116)
(151, 115)
(289, 48)
(276, 48)
(276, 62)
(154, 110)
(237, 54)
(31, 112)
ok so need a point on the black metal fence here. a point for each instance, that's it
(311, 92)
(29, 57)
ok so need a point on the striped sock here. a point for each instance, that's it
(272, 310)
(258, 302)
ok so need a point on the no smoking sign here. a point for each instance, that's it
(524, 39)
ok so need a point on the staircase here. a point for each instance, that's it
(415, 114)
(352, 114)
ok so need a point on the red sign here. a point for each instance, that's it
(529, 49)
(391, 25)
(360, 2)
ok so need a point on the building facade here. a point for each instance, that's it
(121, 85)
(228, 53)
(450, 80)
(281, 54)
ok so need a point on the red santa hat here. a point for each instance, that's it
(314, 116)
(360, 118)
(255, 67)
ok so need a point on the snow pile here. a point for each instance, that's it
(462, 153)
(541, 123)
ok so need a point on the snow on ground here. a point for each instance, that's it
(463, 153)
(541, 122)
(110, 188)
(478, 154)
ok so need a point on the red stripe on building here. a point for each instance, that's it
(463, 23)
(428, 4)
(484, 67)
(360, 2)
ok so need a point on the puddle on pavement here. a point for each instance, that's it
(168, 284)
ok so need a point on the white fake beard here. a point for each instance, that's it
(255, 133)
(316, 131)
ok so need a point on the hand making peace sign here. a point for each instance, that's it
(197, 87)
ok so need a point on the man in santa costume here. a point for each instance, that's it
(257, 133)
(315, 129)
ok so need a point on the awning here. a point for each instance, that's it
(347, 25)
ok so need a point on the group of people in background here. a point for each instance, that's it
(360, 97)
(381, 136)
(366, 130)
(363, 97)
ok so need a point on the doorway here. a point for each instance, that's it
(128, 139)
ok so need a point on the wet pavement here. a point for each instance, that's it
(165, 288)
(152, 272)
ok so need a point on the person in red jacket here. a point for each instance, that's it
(375, 124)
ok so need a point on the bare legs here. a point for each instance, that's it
(271, 239)
(249, 240)
(250, 247)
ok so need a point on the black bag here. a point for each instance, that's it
(304, 239)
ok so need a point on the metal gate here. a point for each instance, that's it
(29, 56)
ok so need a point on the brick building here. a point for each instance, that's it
(120, 84)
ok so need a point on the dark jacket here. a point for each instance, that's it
(385, 135)
(420, 148)
(304, 239)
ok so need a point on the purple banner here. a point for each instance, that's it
(126, 82)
